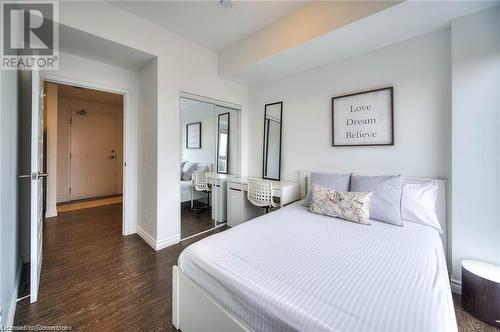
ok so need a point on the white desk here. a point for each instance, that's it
(239, 209)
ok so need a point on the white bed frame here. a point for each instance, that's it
(194, 310)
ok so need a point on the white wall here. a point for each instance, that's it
(422, 112)
(204, 113)
(52, 156)
(64, 108)
(9, 226)
(182, 66)
(476, 138)
(96, 74)
(147, 151)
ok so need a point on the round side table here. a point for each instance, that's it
(481, 290)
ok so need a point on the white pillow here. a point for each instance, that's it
(419, 204)
(187, 170)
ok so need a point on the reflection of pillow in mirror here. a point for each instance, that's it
(339, 182)
(183, 162)
(201, 168)
(352, 206)
(187, 170)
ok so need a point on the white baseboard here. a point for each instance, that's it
(146, 237)
(50, 213)
(456, 286)
(131, 230)
(157, 245)
(13, 300)
(167, 242)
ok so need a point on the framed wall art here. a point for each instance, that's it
(193, 135)
(364, 118)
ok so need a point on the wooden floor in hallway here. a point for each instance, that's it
(95, 279)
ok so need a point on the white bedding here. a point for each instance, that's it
(292, 270)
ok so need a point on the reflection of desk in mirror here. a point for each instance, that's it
(218, 182)
(239, 209)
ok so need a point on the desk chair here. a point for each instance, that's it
(260, 193)
(200, 184)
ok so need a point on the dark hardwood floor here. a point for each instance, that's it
(466, 322)
(192, 224)
(95, 279)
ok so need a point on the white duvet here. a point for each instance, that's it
(292, 270)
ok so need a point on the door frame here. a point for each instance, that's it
(127, 228)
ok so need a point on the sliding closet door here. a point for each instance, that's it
(197, 128)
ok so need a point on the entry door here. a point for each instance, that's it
(36, 223)
(93, 156)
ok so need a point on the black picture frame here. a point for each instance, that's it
(266, 139)
(228, 140)
(391, 143)
(199, 135)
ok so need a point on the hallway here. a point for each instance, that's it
(93, 278)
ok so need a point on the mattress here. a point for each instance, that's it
(292, 270)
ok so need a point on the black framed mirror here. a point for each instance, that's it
(223, 143)
(271, 168)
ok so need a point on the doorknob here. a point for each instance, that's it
(34, 175)
(42, 175)
(112, 154)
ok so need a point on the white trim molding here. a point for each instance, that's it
(127, 222)
(146, 237)
(456, 286)
(157, 245)
(168, 242)
(50, 213)
(130, 231)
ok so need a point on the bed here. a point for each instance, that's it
(305, 272)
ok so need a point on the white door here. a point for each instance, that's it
(36, 224)
(93, 154)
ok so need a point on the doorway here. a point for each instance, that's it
(89, 146)
(81, 136)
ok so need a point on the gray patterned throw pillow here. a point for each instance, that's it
(352, 206)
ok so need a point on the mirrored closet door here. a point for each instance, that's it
(210, 156)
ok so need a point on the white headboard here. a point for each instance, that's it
(440, 203)
(210, 166)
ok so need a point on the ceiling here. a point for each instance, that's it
(209, 23)
(412, 19)
(68, 91)
(92, 47)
